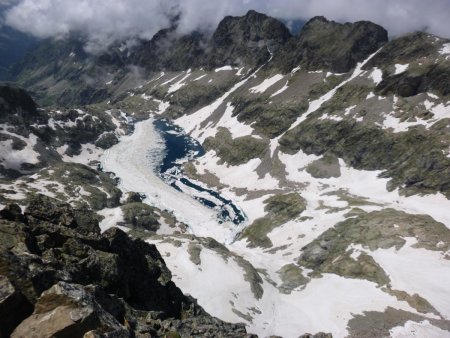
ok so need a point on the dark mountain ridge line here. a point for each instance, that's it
(248, 40)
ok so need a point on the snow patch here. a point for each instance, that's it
(112, 217)
(421, 329)
(316, 104)
(400, 68)
(445, 50)
(262, 87)
(200, 77)
(13, 159)
(177, 85)
(429, 276)
(282, 89)
(223, 68)
(376, 75)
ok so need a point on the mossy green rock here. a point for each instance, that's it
(280, 209)
(140, 215)
(271, 120)
(292, 278)
(235, 151)
(325, 167)
(328, 45)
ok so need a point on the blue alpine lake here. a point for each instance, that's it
(179, 148)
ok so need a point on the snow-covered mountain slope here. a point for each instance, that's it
(332, 239)
(341, 169)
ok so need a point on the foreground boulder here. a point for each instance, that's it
(69, 310)
(60, 277)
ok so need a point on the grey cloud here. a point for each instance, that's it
(105, 21)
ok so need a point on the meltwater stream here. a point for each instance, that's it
(179, 148)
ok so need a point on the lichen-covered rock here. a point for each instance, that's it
(235, 151)
(140, 215)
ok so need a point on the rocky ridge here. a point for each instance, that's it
(72, 76)
(59, 276)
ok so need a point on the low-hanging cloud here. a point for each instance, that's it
(106, 21)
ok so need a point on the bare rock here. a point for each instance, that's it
(68, 310)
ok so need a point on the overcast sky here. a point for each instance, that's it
(104, 21)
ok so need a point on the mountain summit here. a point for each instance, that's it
(246, 41)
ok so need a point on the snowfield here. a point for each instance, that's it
(276, 313)
(223, 284)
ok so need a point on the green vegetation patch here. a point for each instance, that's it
(325, 167)
(140, 215)
(269, 119)
(320, 88)
(292, 277)
(280, 209)
(235, 151)
(331, 252)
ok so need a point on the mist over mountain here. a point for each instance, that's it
(14, 44)
(104, 22)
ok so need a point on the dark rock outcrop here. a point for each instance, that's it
(419, 51)
(77, 281)
(414, 160)
(247, 40)
(433, 78)
(14, 100)
(167, 50)
(328, 45)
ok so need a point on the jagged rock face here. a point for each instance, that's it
(69, 310)
(247, 40)
(79, 281)
(424, 74)
(14, 100)
(327, 45)
(167, 50)
(66, 68)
